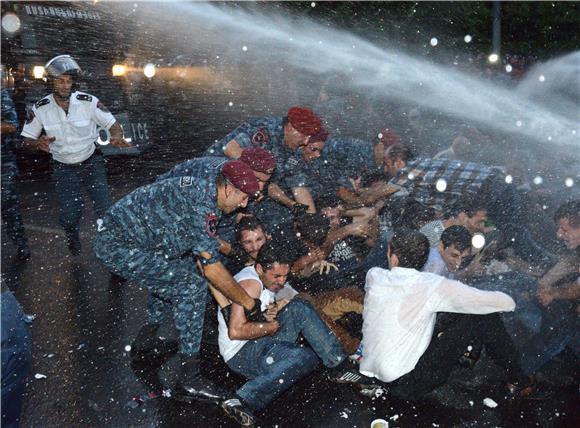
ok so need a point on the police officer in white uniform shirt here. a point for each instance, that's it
(70, 120)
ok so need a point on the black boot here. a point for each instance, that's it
(148, 348)
(236, 409)
(192, 386)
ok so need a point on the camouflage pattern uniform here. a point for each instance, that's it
(10, 202)
(264, 132)
(343, 158)
(152, 237)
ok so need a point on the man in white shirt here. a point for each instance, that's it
(405, 342)
(70, 120)
(266, 352)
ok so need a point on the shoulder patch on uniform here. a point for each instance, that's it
(84, 97)
(42, 102)
(185, 181)
(292, 161)
(261, 137)
(211, 223)
(30, 116)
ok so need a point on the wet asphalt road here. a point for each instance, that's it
(84, 320)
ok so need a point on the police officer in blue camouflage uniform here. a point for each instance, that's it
(282, 136)
(70, 118)
(163, 237)
(10, 202)
(259, 160)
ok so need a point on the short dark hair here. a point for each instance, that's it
(273, 252)
(411, 247)
(413, 214)
(399, 152)
(569, 210)
(469, 204)
(220, 180)
(458, 236)
(370, 178)
(248, 223)
(312, 227)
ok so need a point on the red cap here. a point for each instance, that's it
(241, 176)
(304, 120)
(321, 135)
(258, 159)
(389, 137)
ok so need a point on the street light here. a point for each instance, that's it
(119, 70)
(149, 70)
(38, 71)
(493, 58)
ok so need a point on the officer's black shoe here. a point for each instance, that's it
(191, 386)
(149, 348)
(235, 409)
(74, 245)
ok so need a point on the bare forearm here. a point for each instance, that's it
(276, 193)
(567, 292)
(252, 330)
(302, 196)
(116, 130)
(7, 128)
(223, 281)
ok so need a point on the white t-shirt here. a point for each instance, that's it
(75, 132)
(229, 347)
(399, 315)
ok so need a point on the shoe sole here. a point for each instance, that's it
(246, 420)
(201, 398)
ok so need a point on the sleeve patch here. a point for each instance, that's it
(84, 97)
(30, 116)
(261, 137)
(211, 223)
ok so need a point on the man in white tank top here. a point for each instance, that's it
(266, 352)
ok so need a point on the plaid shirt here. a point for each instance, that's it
(420, 176)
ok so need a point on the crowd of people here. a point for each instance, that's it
(388, 267)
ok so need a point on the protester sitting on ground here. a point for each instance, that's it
(559, 297)
(331, 306)
(418, 324)
(446, 257)
(440, 183)
(266, 352)
(250, 237)
(469, 211)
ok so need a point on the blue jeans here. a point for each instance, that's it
(275, 363)
(16, 358)
(69, 181)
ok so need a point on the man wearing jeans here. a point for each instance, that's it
(266, 352)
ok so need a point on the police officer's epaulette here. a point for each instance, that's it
(84, 97)
(42, 102)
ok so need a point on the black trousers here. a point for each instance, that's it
(452, 335)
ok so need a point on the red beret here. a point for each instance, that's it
(321, 135)
(258, 159)
(241, 176)
(389, 137)
(304, 120)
